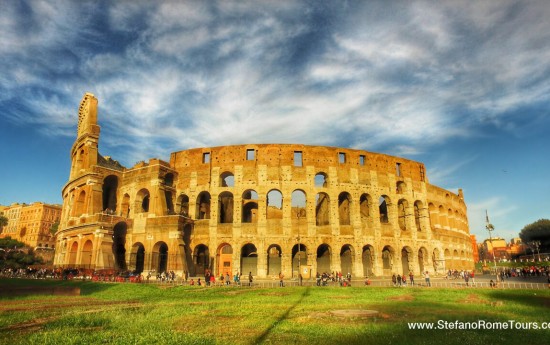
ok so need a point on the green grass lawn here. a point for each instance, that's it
(150, 314)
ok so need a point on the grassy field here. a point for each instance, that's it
(151, 314)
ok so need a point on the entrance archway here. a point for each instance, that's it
(323, 259)
(368, 260)
(225, 258)
(346, 259)
(249, 259)
(119, 242)
(274, 254)
(201, 259)
(160, 257)
(137, 257)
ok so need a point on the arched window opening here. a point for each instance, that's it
(298, 204)
(364, 207)
(125, 206)
(402, 214)
(344, 204)
(169, 203)
(321, 180)
(322, 209)
(401, 187)
(143, 200)
(110, 185)
(383, 203)
(418, 215)
(183, 202)
(203, 206)
(80, 206)
(422, 259)
(250, 206)
(227, 179)
(225, 205)
(274, 205)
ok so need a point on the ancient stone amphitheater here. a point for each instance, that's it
(260, 208)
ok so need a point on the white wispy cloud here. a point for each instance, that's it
(194, 73)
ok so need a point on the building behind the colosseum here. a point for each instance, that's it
(260, 208)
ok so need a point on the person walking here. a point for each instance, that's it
(250, 279)
(281, 279)
(427, 278)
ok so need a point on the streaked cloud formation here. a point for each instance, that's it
(404, 78)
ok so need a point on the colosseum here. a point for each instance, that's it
(260, 208)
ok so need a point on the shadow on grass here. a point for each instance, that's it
(283, 317)
(86, 287)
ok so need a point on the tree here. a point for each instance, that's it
(3, 222)
(538, 231)
(14, 254)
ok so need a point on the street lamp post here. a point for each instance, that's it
(490, 228)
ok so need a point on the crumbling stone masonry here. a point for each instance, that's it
(260, 208)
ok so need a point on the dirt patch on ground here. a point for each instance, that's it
(277, 294)
(404, 298)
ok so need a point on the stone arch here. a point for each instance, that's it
(80, 205)
(142, 200)
(160, 257)
(298, 204)
(367, 258)
(344, 208)
(137, 257)
(250, 206)
(119, 241)
(365, 203)
(401, 187)
(274, 207)
(125, 206)
(402, 206)
(321, 180)
(86, 255)
(225, 258)
(422, 259)
(418, 214)
(437, 262)
(227, 179)
(274, 254)
(299, 257)
(433, 215)
(322, 209)
(110, 186)
(201, 259)
(388, 254)
(406, 259)
(323, 258)
(183, 205)
(455, 259)
(346, 258)
(249, 259)
(225, 208)
(203, 206)
(73, 252)
(383, 209)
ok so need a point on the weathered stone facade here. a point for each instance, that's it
(258, 208)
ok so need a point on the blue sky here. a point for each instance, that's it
(462, 86)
